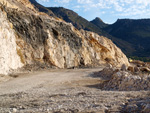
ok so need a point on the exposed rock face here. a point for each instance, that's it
(105, 50)
(43, 39)
(9, 58)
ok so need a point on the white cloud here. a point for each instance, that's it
(63, 1)
(84, 1)
(43, 0)
(115, 7)
(122, 7)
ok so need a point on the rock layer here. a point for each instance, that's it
(40, 38)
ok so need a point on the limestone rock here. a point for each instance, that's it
(14, 110)
(9, 52)
(37, 38)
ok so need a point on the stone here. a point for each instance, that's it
(132, 108)
(146, 109)
(136, 69)
(144, 69)
(9, 58)
(124, 67)
(14, 110)
(131, 69)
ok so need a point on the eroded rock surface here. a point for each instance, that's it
(9, 58)
(41, 39)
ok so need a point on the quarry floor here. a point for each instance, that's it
(61, 91)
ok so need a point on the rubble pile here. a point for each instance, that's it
(125, 79)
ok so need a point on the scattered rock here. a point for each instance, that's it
(144, 69)
(132, 108)
(147, 109)
(131, 69)
(14, 110)
(124, 67)
(124, 81)
(136, 69)
(106, 73)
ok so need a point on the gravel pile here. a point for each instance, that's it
(124, 80)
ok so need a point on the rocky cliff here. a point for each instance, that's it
(29, 37)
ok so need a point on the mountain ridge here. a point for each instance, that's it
(99, 23)
(86, 25)
(134, 31)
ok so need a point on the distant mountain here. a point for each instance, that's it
(99, 23)
(72, 17)
(81, 23)
(135, 32)
(41, 8)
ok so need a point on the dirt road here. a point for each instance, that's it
(71, 90)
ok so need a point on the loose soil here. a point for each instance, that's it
(62, 91)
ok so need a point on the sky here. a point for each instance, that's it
(108, 10)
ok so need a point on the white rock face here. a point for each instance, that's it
(9, 58)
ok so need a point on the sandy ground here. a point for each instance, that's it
(68, 91)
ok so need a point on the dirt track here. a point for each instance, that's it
(71, 90)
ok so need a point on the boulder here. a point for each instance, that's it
(131, 69)
(136, 69)
(124, 67)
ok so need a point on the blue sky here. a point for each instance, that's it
(108, 10)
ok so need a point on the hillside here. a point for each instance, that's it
(132, 36)
(99, 23)
(41, 8)
(72, 17)
(135, 32)
(81, 23)
(33, 39)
